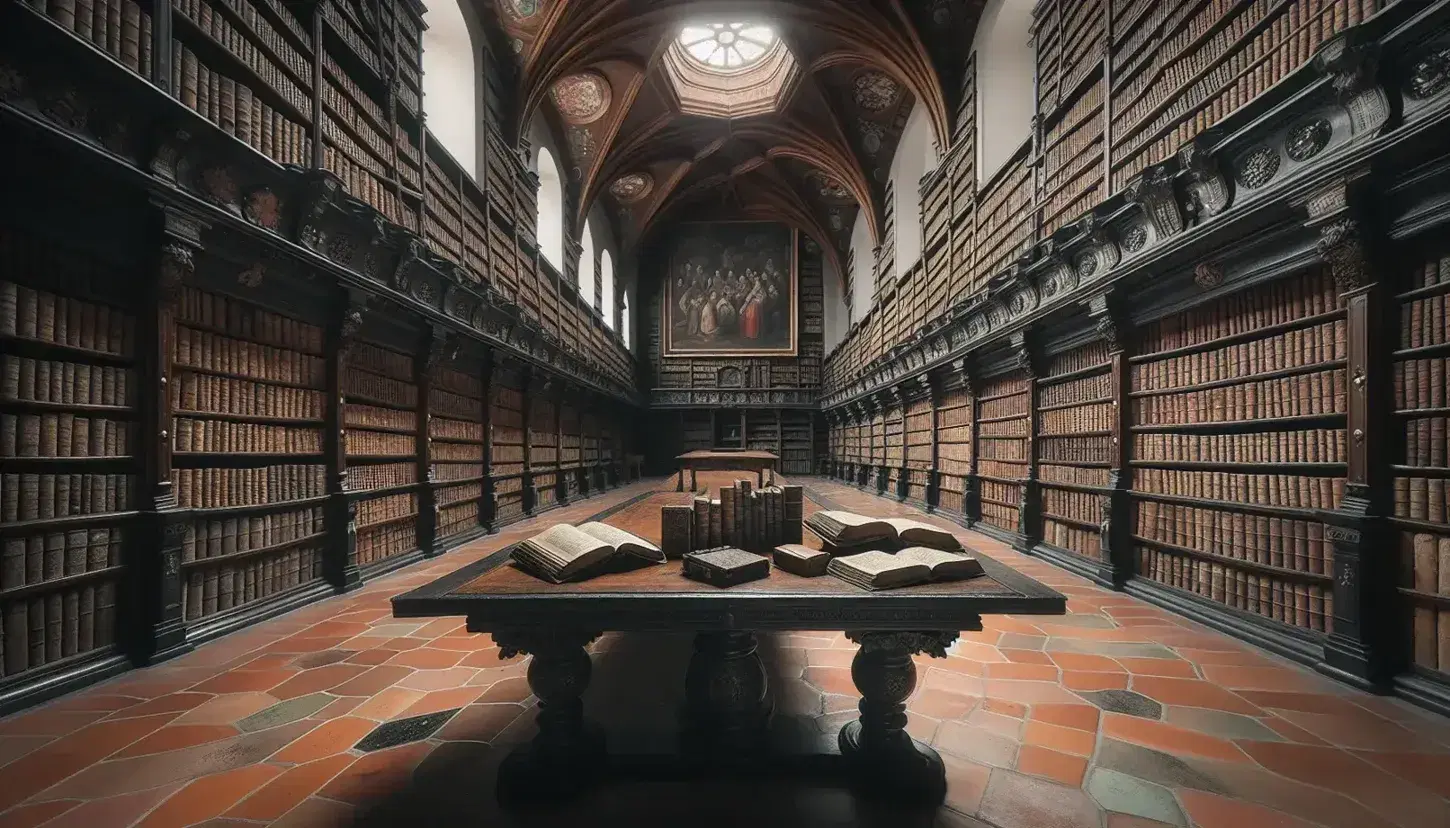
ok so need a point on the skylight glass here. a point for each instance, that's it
(726, 47)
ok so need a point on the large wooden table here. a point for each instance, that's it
(726, 708)
(725, 460)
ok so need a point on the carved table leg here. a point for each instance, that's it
(694, 483)
(680, 486)
(884, 759)
(565, 754)
(727, 707)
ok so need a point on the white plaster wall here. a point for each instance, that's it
(1005, 69)
(835, 311)
(863, 266)
(915, 157)
(453, 80)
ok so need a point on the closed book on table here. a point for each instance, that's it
(676, 537)
(800, 560)
(715, 524)
(727, 515)
(702, 523)
(726, 566)
(794, 512)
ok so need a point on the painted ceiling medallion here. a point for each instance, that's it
(872, 136)
(524, 9)
(581, 98)
(875, 91)
(828, 187)
(631, 187)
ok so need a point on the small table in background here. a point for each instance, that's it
(726, 460)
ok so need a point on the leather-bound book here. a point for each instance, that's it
(716, 523)
(676, 535)
(794, 514)
(726, 566)
(800, 560)
(701, 523)
(727, 515)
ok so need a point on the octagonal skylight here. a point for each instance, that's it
(729, 69)
(727, 45)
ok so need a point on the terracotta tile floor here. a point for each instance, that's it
(1117, 715)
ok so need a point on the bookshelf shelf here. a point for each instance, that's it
(1244, 564)
(61, 582)
(214, 54)
(228, 558)
(40, 349)
(298, 69)
(1251, 332)
(1246, 426)
(260, 419)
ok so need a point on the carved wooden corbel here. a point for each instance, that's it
(1210, 192)
(1154, 192)
(442, 351)
(166, 157)
(1343, 234)
(320, 191)
(1101, 253)
(1025, 361)
(353, 316)
(412, 251)
(1108, 320)
(964, 369)
(1353, 66)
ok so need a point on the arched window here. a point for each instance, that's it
(586, 266)
(915, 157)
(606, 278)
(1005, 67)
(624, 319)
(451, 78)
(551, 210)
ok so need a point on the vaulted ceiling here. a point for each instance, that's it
(618, 82)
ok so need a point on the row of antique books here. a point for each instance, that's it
(1428, 558)
(1281, 542)
(1309, 606)
(237, 109)
(210, 394)
(46, 496)
(62, 435)
(1278, 303)
(1322, 392)
(1424, 322)
(69, 618)
(382, 475)
(1293, 490)
(1420, 383)
(213, 538)
(38, 315)
(1321, 445)
(242, 319)
(212, 488)
(68, 383)
(248, 438)
(196, 348)
(1306, 346)
(1420, 498)
(211, 589)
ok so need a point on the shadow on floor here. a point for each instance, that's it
(635, 694)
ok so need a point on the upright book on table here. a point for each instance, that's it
(845, 529)
(563, 552)
(909, 567)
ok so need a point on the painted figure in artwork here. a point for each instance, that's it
(750, 317)
(709, 325)
(690, 306)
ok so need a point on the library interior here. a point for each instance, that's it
(461, 413)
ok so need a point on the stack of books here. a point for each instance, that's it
(754, 520)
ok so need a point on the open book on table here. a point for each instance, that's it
(563, 552)
(849, 529)
(911, 566)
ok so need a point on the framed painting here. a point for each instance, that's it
(731, 290)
